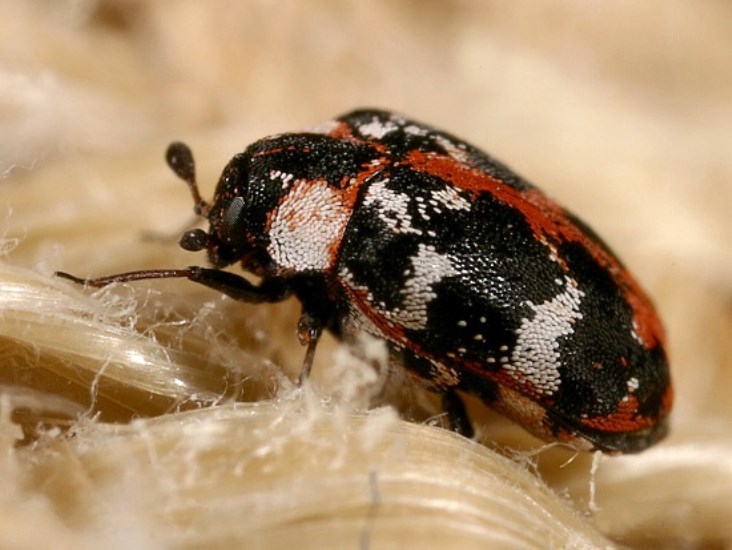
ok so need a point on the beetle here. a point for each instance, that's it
(473, 277)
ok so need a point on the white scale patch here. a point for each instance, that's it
(634, 333)
(442, 376)
(285, 177)
(307, 226)
(536, 357)
(377, 128)
(450, 199)
(324, 128)
(391, 206)
(415, 130)
(428, 268)
(455, 151)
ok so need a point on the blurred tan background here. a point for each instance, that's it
(620, 110)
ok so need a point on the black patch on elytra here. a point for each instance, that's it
(594, 379)
(377, 258)
(591, 381)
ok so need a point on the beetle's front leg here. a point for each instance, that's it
(238, 288)
(234, 286)
(309, 328)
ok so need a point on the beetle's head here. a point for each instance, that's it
(281, 206)
(233, 218)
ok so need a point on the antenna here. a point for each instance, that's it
(180, 159)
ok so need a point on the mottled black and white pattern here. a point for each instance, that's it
(476, 280)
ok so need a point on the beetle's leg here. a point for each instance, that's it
(234, 286)
(238, 288)
(457, 415)
(309, 330)
(309, 327)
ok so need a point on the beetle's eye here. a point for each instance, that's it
(232, 216)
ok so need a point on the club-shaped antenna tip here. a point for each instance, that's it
(180, 159)
(194, 240)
